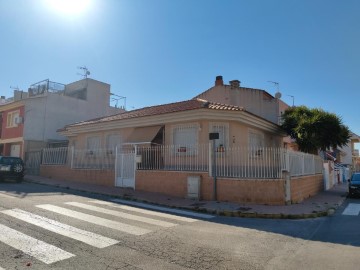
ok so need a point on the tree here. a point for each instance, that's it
(315, 129)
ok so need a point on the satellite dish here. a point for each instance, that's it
(87, 72)
(278, 95)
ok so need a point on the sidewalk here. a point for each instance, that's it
(319, 205)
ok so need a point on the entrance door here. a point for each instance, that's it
(125, 168)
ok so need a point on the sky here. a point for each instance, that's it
(160, 51)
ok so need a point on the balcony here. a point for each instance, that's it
(45, 86)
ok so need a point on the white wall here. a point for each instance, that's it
(44, 115)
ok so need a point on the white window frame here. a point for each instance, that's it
(10, 120)
(223, 129)
(186, 138)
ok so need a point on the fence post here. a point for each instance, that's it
(72, 157)
(210, 160)
(116, 163)
(287, 182)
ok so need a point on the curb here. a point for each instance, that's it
(227, 213)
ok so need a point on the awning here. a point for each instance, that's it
(143, 135)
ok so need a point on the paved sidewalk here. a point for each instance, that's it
(321, 204)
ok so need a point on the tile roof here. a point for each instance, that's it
(192, 104)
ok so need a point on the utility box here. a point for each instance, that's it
(193, 187)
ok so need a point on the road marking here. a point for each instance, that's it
(89, 238)
(6, 196)
(95, 220)
(353, 209)
(165, 209)
(147, 212)
(123, 215)
(36, 248)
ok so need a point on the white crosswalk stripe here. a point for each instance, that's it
(40, 250)
(165, 209)
(353, 209)
(89, 238)
(122, 215)
(146, 212)
(96, 220)
(48, 253)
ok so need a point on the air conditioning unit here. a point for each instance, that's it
(18, 120)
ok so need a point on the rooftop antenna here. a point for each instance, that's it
(277, 94)
(85, 71)
(14, 87)
(116, 99)
(292, 99)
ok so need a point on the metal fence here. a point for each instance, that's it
(234, 162)
(298, 163)
(55, 156)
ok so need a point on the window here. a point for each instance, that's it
(11, 119)
(112, 141)
(256, 142)
(92, 145)
(222, 129)
(185, 138)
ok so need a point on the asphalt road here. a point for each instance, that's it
(43, 227)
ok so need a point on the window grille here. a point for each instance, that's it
(92, 145)
(223, 141)
(256, 143)
(112, 141)
(185, 138)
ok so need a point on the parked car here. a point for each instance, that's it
(354, 185)
(11, 168)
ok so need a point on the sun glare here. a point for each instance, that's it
(69, 7)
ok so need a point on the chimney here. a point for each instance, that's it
(235, 83)
(2, 100)
(219, 81)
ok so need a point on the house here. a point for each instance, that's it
(29, 120)
(168, 149)
(182, 123)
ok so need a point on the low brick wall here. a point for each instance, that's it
(305, 187)
(231, 190)
(257, 191)
(99, 177)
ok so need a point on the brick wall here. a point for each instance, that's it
(257, 191)
(232, 190)
(99, 177)
(305, 186)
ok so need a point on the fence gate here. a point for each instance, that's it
(32, 162)
(125, 166)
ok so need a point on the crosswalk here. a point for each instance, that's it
(353, 209)
(134, 221)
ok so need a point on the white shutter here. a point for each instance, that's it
(185, 138)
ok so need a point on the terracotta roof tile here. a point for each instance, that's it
(192, 104)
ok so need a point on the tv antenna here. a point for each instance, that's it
(292, 99)
(277, 94)
(85, 71)
(276, 84)
(14, 87)
(116, 99)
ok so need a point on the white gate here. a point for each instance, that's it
(125, 166)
